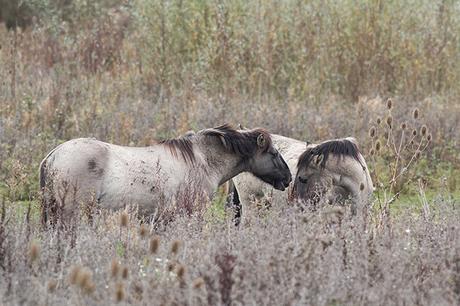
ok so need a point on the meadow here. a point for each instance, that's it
(133, 72)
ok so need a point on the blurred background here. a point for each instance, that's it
(130, 72)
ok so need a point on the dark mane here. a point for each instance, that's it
(182, 145)
(341, 147)
(241, 143)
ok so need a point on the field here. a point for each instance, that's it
(132, 72)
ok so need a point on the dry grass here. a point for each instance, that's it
(130, 72)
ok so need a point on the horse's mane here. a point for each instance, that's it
(340, 147)
(182, 145)
(243, 144)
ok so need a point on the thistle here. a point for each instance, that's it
(124, 219)
(34, 251)
(114, 268)
(198, 283)
(154, 244)
(175, 246)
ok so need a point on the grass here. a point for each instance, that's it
(130, 72)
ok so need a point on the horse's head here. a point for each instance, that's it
(267, 163)
(316, 174)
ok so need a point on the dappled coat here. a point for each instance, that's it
(87, 173)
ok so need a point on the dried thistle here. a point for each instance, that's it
(403, 126)
(414, 132)
(423, 130)
(175, 246)
(379, 121)
(119, 292)
(198, 283)
(154, 244)
(114, 268)
(124, 219)
(143, 231)
(429, 137)
(389, 121)
(372, 132)
(372, 152)
(417, 154)
(137, 289)
(52, 284)
(389, 103)
(180, 271)
(74, 274)
(377, 146)
(34, 251)
(415, 113)
(84, 278)
(171, 266)
(124, 272)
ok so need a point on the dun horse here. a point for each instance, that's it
(333, 169)
(84, 170)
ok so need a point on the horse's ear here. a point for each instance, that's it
(319, 159)
(241, 127)
(261, 141)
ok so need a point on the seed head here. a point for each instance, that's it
(411, 142)
(423, 130)
(372, 132)
(416, 113)
(389, 103)
(74, 274)
(389, 120)
(417, 154)
(124, 219)
(34, 251)
(403, 126)
(414, 132)
(137, 289)
(175, 246)
(377, 146)
(198, 283)
(379, 120)
(361, 187)
(52, 284)
(114, 268)
(143, 231)
(125, 272)
(171, 266)
(180, 271)
(154, 244)
(119, 292)
(84, 278)
(429, 137)
(372, 152)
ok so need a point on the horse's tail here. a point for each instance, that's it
(48, 198)
(45, 197)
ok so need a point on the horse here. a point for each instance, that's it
(189, 168)
(335, 170)
(342, 174)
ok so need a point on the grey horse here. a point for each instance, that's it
(189, 168)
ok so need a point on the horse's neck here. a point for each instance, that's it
(221, 165)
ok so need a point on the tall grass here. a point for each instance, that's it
(131, 72)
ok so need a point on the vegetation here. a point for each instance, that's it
(130, 72)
